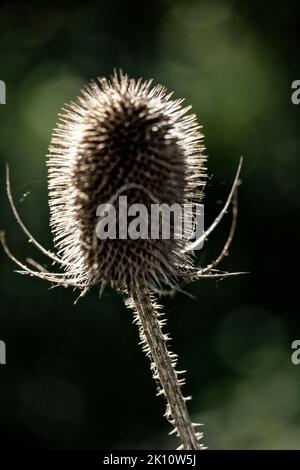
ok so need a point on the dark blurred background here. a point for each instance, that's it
(75, 375)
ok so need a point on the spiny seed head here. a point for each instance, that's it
(122, 133)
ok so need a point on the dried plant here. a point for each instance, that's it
(125, 136)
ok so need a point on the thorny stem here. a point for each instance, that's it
(163, 366)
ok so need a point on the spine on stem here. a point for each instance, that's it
(149, 320)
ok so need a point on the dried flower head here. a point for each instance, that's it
(123, 134)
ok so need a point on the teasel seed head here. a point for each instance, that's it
(122, 137)
(125, 136)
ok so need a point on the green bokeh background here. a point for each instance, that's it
(75, 375)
